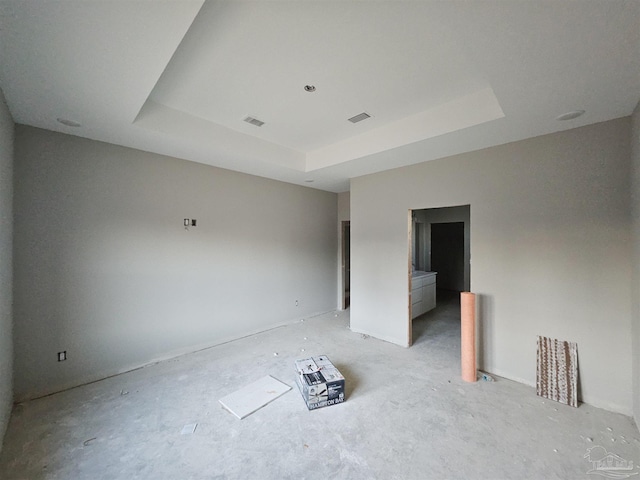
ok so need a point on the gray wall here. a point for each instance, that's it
(6, 281)
(105, 270)
(635, 203)
(550, 248)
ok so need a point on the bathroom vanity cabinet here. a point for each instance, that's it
(423, 292)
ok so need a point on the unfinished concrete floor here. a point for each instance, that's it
(408, 415)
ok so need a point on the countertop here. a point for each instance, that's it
(420, 273)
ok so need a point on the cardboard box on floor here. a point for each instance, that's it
(320, 382)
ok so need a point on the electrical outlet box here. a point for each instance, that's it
(193, 222)
(62, 356)
(186, 222)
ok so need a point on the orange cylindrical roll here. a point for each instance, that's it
(468, 336)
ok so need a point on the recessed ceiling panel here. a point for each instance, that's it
(390, 59)
(438, 77)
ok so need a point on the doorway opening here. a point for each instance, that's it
(346, 264)
(439, 264)
(447, 255)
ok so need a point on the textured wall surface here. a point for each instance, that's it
(551, 250)
(105, 269)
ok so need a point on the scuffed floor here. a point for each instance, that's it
(407, 416)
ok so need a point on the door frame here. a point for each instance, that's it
(410, 275)
(410, 227)
(345, 269)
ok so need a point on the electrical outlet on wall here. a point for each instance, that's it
(62, 356)
(296, 303)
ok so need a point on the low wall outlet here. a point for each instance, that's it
(296, 303)
(62, 356)
(186, 222)
(193, 222)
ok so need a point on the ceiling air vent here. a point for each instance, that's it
(254, 121)
(359, 117)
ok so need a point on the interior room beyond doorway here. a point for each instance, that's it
(440, 245)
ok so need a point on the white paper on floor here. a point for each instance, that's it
(254, 396)
(188, 429)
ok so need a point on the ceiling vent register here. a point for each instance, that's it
(254, 121)
(359, 117)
